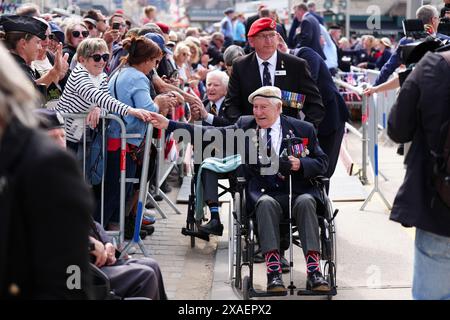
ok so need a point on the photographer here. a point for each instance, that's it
(430, 18)
(418, 204)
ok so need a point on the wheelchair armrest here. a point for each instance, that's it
(101, 288)
(241, 181)
(320, 179)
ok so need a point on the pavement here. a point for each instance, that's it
(374, 254)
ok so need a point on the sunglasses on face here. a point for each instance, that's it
(97, 57)
(51, 36)
(76, 34)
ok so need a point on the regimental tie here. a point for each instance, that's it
(214, 109)
(269, 142)
(267, 79)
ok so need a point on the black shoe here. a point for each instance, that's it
(212, 227)
(149, 204)
(316, 282)
(275, 282)
(157, 197)
(129, 234)
(129, 230)
(165, 187)
(148, 228)
(284, 265)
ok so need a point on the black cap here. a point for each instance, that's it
(23, 24)
(49, 119)
(334, 26)
(228, 10)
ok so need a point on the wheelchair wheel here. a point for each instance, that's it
(237, 260)
(246, 288)
(192, 226)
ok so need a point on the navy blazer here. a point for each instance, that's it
(336, 111)
(246, 78)
(313, 165)
(309, 35)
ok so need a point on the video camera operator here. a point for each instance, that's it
(419, 115)
(430, 19)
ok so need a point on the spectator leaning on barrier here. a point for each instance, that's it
(418, 204)
(41, 188)
(86, 91)
(129, 85)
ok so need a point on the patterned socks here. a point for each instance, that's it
(312, 261)
(273, 261)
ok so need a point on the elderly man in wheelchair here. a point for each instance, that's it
(285, 147)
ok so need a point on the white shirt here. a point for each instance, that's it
(272, 66)
(276, 135)
(209, 118)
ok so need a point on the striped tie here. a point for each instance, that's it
(214, 109)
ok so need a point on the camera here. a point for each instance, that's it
(411, 53)
(116, 26)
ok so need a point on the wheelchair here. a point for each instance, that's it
(191, 229)
(244, 240)
(101, 286)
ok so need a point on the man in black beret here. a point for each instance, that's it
(23, 39)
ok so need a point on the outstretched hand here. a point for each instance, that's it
(158, 121)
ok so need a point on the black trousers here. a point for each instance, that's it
(210, 180)
(331, 145)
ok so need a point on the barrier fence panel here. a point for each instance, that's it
(161, 175)
(143, 185)
(119, 235)
(363, 134)
(372, 115)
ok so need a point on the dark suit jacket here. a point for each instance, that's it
(249, 23)
(313, 165)
(219, 120)
(246, 78)
(414, 118)
(336, 111)
(215, 54)
(309, 35)
(45, 209)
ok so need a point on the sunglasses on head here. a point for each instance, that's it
(97, 57)
(77, 34)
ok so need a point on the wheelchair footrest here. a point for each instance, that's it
(197, 234)
(260, 294)
(303, 292)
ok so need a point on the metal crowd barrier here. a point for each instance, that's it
(384, 100)
(369, 137)
(363, 135)
(119, 235)
(161, 175)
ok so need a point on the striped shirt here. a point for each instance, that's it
(81, 95)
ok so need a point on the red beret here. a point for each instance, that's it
(164, 27)
(260, 25)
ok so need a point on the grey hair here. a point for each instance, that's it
(220, 74)
(426, 13)
(18, 96)
(89, 46)
(231, 53)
